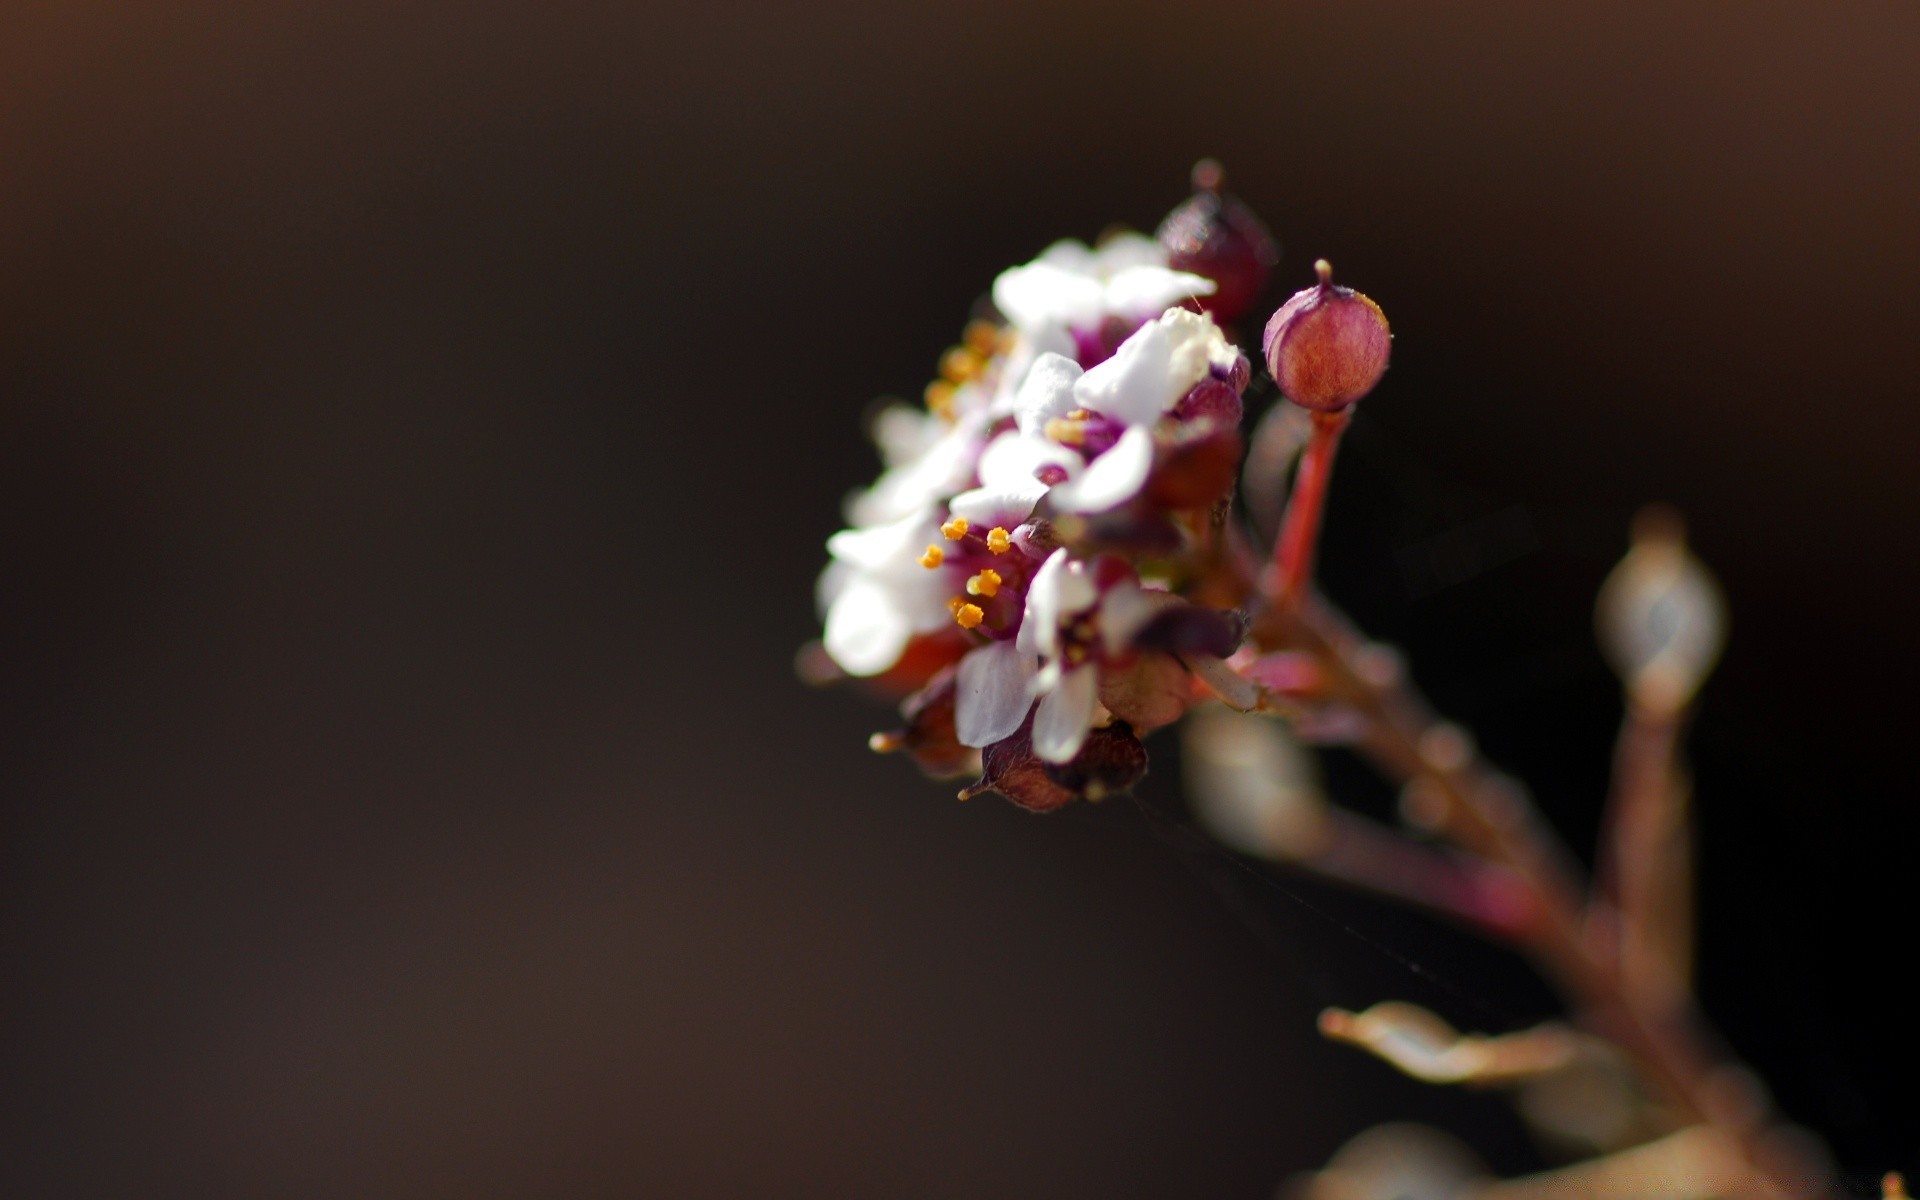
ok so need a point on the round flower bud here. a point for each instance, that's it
(1217, 237)
(1327, 346)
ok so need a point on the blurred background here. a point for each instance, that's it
(419, 424)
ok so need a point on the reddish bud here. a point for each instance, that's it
(1327, 346)
(1216, 237)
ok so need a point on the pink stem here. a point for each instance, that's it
(1300, 530)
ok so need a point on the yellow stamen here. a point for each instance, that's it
(953, 605)
(1066, 432)
(955, 529)
(933, 557)
(960, 364)
(998, 541)
(981, 337)
(940, 398)
(986, 583)
(969, 615)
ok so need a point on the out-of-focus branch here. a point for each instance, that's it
(1662, 621)
(1642, 916)
(1425, 1047)
(1696, 1163)
(1488, 816)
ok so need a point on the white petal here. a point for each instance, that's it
(1125, 610)
(1014, 460)
(832, 582)
(1047, 392)
(1006, 506)
(1070, 254)
(883, 548)
(1133, 386)
(1147, 291)
(903, 433)
(1124, 250)
(1059, 588)
(1065, 714)
(866, 628)
(1041, 294)
(1198, 346)
(942, 469)
(1112, 479)
(991, 694)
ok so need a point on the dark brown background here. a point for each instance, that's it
(420, 425)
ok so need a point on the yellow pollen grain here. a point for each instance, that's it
(955, 529)
(940, 398)
(953, 605)
(1066, 432)
(960, 364)
(933, 557)
(986, 583)
(969, 615)
(998, 541)
(982, 337)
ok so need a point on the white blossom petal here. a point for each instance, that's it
(1144, 292)
(903, 433)
(1014, 460)
(1123, 250)
(1132, 387)
(1126, 609)
(1046, 393)
(1112, 479)
(1065, 715)
(1058, 589)
(833, 580)
(888, 548)
(992, 692)
(1071, 254)
(1005, 506)
(942, 468)
(866, 627)
(1198, 347)
(1041, 294)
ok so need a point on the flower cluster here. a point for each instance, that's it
(1043, 562)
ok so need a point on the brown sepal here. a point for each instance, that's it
(929, 735)
(1111, 761)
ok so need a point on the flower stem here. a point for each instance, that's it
(1300, 529)
(1488, 816)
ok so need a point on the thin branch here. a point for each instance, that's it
(1488, 816)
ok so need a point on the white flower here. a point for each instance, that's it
(1071, 286)
(928, 458)
(878, 595)
(1072, 289)
(1146, 376)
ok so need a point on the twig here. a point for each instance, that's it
(1489, 817)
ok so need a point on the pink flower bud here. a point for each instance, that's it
(1218, 238)
(1327, 346)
